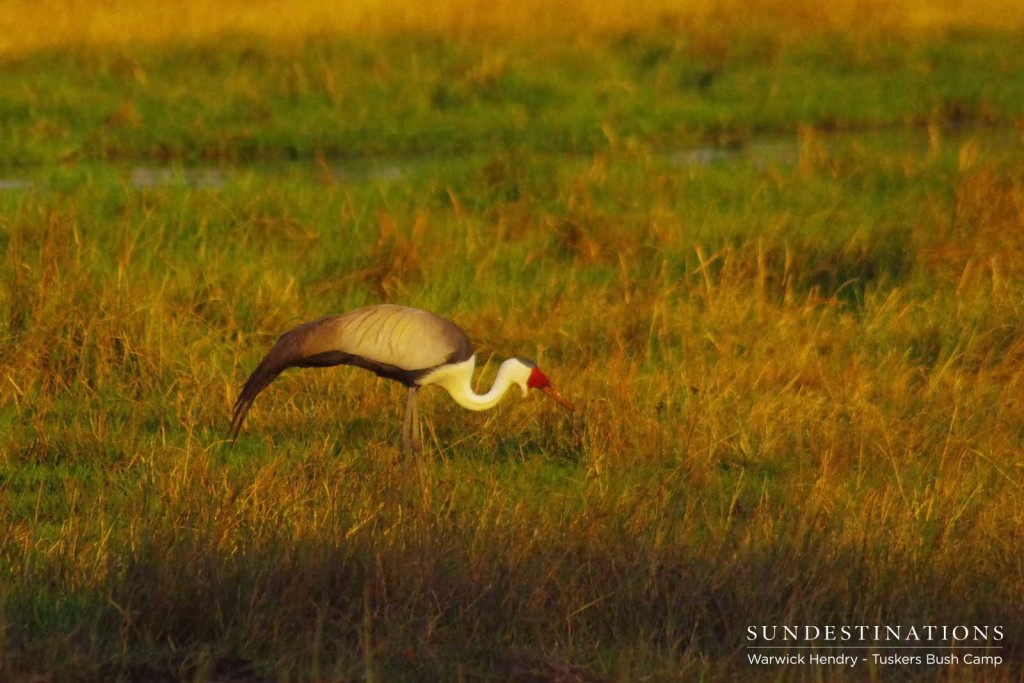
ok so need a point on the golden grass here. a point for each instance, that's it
(29, 25)
(779, 421)
(748, 446)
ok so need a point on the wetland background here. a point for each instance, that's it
(773, 252)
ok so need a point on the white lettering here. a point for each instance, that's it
(833, 660)
(758, 658)
(891, 660)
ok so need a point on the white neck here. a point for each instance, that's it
(457, 379)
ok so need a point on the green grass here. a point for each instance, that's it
(413, 95)
(798, 366)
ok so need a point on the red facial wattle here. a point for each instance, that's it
(537, 379)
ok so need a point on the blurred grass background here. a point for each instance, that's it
(65, 23)
(772, 251)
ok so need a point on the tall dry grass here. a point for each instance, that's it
(799, 382)
(778, 424)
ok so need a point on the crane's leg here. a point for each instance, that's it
(407, 423)
(412, 439)
(417, 432)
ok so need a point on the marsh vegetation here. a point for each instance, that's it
(776, 263)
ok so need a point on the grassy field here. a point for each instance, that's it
(777, 262)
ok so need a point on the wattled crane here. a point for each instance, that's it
(407, 345)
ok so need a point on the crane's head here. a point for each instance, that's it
(529, 376)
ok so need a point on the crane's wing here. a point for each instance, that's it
(394, 342)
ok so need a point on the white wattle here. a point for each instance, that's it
(457, 380)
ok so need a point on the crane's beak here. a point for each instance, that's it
(558, 398)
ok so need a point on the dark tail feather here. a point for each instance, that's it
(276, 361)
(257, 382)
